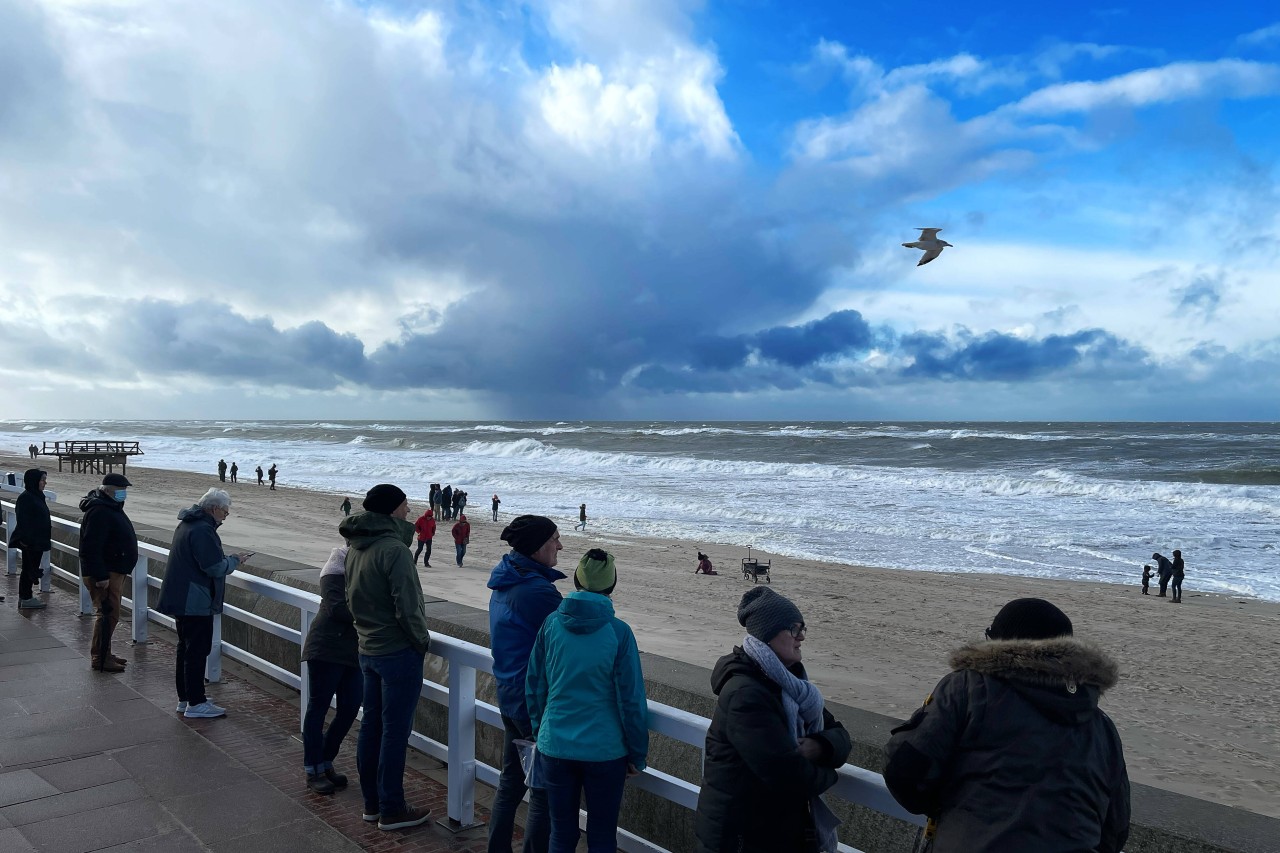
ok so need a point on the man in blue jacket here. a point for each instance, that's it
(524, 595)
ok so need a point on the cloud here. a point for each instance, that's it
(1262, 36)
(1201, 296)
(1002, 357)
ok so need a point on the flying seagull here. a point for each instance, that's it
(930, 243)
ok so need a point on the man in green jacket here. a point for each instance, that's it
(385, 599)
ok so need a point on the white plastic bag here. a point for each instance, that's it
(529, 762)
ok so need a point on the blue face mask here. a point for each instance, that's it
(120, 495)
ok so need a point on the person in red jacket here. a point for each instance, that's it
(426, 527)
(461, 536)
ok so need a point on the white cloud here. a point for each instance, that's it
(1231, 78)
(1262, 36)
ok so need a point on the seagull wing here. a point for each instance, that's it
(930, 255)
(928, 233)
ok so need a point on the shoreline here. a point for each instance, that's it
(1189, 705)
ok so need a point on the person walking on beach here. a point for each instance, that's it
(495, 507)
(582, 518)
(524, 595)
(1177, 573)
(222, 470)
(973, 758)
(333, 669)
(108, 552)
(345, 506)
(259, 472)
(192, 593)
(32, 535)
(384, 595)
(1147, 575)
(235, 469)
(425, 527)
(773, 747)
(1165, 569)
(461, 537)
(587, 706)
(271, 475)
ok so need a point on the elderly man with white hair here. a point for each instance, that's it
(192, 592)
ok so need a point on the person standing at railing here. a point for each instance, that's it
(772, 748)
(333, 668)
(108, 552)
(385, 598)
(587, 705)
(1010, 751)
(192, 593)
(524, 595)
(32, 535)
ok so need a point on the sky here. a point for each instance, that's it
(639, 209)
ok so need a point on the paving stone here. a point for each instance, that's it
(257, 807)
(64, 720)
(79, 773)
(56, 653)
(86, 695)
(11, 841)
(106, 827)
(176, 768)
(85, 799)
(21, 786)
(308, 834)
(178, 841)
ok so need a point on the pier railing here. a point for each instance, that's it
(856, 785)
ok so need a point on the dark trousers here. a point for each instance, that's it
(1177, 588)
(511, 789)
(423, 545)
(1164, 583)
(392, 685)
(105, 621)
(195, 640)
(602, 782)
(31, 572)
(325, 680)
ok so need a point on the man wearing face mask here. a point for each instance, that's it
(384, 596)
(108, 553)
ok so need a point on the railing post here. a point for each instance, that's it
(462, 746)
(11, 554)
(86, 600)
(46, 571)
(304, 672)
(213, 666)
(141, 600)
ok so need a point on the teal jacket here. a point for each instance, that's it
(585, 689)
(384, 593)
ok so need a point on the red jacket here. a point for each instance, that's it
(426, 527)
(461, 532)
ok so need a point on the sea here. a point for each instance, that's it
(1079, 501)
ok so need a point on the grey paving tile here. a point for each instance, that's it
(25, 644)
(11, 841)
(79, 696)
(86, 799)
(50, 748)
(136, 708)
(184, 766)
(79, 773)
(106, 827)
(310, 835)
(23, 785)
(50, 722)
(178, 841)
(56, 653)
(11, 708)
(20, 672)
(257, 807)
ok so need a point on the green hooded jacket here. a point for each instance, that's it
(384, 593)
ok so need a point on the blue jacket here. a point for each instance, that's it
(195, 578)
(585, 689)
(524, 595)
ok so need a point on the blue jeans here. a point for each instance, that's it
(511, 788)
(392, 684)
(602, 781)
(461, 548)
(319, 748)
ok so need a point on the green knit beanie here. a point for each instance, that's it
(596, 572)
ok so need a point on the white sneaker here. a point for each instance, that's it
(182, 706)
(204, 710)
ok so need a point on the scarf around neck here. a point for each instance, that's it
(801, 700)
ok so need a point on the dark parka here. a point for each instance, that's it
(108, 542)
(195, 578)
(1011, 752)
(34, 530)
(332, 637)
(756, 786)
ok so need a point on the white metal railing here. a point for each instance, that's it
(855, 785)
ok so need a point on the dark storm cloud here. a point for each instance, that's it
(996, 356)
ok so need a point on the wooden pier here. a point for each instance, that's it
(92, 457)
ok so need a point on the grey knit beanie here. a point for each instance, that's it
(764, 613)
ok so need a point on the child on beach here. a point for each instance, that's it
(704, 565)
(1147, 575)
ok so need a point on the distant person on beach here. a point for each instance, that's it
(446, 502)
(235, 469)
(973, 759)
(333, 669)
(495, 507)
(222, 470)
(384, 595)
(425, 527)
(259, 472)
(33, 450)
(704, 565)
(459, 501)
(345, 506)
(524, 595)
(32, 535)
(192, 592)
(1165, 569)
(108, 551)
(773, 747)
(1147, 575)
(582, 518)
(433, 501)
(271, 475)
(1179, 571)
(588, 709)
(461, 537)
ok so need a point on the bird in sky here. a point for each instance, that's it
(930, 243)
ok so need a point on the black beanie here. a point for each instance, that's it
(764, 613)
(1029, 619)
(527, 533)
(384, 498)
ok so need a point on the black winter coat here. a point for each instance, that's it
(34, 530)
(756, 786)
(332, 637)
(108, 542)
(1011, 752)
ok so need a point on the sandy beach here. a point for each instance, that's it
(1194, 705)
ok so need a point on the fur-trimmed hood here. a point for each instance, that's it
(1058, 662)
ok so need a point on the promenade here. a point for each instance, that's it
(101, 762)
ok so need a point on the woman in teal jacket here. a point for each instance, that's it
(587, 704)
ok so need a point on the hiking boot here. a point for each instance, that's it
(339, 780)
(120, 660)
(110, 666)
(404, 819)
(182, 706)
(320, 783)
(31, 604)
(205, 710)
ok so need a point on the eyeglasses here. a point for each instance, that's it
(796, 630)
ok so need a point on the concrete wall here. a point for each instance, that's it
(1164, 822)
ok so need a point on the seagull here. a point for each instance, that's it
(930, 243)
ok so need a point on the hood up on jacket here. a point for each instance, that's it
(739, 662)
(508, 571)
(195, 513)
(362, 529)
(1062, 677)
(584, 612)
(31, 481)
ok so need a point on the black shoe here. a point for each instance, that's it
(339, 781)
(424, 565)
(404, 820)
(320, 783)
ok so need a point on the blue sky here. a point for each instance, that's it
(639, 209)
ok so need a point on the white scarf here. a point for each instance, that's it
(337, 563)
